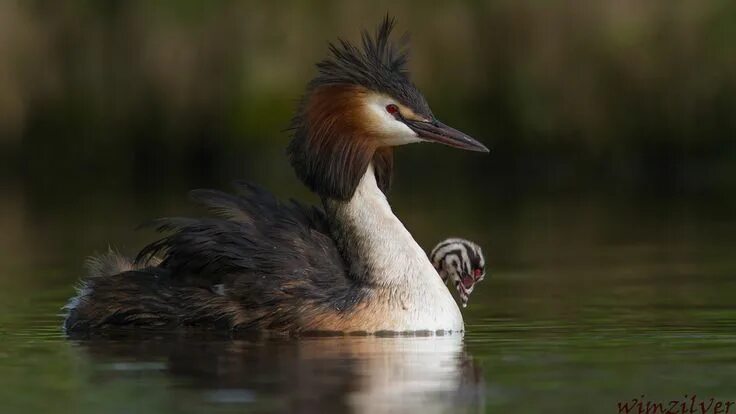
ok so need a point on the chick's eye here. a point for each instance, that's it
(392, 109)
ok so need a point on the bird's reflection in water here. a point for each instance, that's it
(326, 374)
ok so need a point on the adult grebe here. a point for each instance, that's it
(262, 264)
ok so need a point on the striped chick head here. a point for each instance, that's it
(460, 262)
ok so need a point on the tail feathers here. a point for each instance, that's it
(100, 268)
(113, 263)
(146, 298)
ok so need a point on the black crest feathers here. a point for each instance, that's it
(378, 58)
(379, 65)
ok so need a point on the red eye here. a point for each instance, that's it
(477, 272)
(392, 109)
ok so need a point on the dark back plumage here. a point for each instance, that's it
(275, 235)
(249, 266)
(262, 238)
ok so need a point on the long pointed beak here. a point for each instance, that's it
(436, 131)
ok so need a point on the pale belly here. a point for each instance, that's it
(429, 311)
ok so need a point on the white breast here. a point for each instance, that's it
(411, 294)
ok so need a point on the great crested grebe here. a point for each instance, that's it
(461, 263)
(266, 265)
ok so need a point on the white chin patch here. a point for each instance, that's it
(391, 131)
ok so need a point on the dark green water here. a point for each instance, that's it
(590, 301)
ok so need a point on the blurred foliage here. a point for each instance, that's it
(119, 93)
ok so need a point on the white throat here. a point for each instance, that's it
(383, 255)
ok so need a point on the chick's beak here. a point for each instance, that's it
(436, 131)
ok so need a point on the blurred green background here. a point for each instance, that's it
(569, 94)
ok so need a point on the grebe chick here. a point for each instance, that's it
(460, 262)
(257, 263)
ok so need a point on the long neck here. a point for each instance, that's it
(408, 293)
(379, 249)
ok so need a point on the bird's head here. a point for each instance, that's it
(360, 105)
(461, 263)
